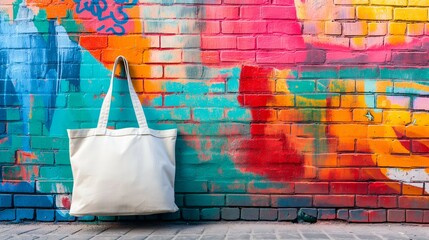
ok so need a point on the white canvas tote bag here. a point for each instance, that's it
(126, 171)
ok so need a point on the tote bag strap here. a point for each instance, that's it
(105, 108)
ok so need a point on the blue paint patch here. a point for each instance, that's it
(33, 201)
(64, 216)
(24, 214)
(45, 215)
(51, 59)
(17, 187)
(5, 200)
(7, 215)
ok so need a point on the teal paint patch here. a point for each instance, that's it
(359, 72)
(62, 157)
(232, 81)
(39, 157)
(201, 100)
(208, 114)
(7, 157)
(16, 6)
(238, 115)
(166, 114)
(56, 186)
(411, 74)
(318, 72)
(301, 86)
(217, 87)
(196, 87)
(57, 172)
(370, 99)
(333, 85)
(171, 86)
(214, 129)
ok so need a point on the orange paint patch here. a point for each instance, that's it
(25, 157)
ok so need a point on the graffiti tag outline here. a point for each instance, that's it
(101, 10)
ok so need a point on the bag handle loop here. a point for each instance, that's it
(105, 108)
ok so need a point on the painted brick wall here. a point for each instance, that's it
(287, 110)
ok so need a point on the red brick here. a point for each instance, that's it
(289, 42)
(220, 12)
(387, 201)
(237, 56)
(342, 214)
(250, 12)
(91, 42)
(270, 188)
(210, 57)
(264, 115)
(218, 42)
(339, 174)
(262, 100)
(270, 129)
(241, 2)
(426, 216)
(275, 57)
(384, 188)
(356, 160)
(312, 187)
(310, 57)
(255, 86)
(368, 174)
(414, 216)
(269, 42)
(244, 27)
(246, 43)
(420, 146)
(349, 188)
(284, 2)
(396, 215)
(377, 216)
(285, 26)
(334, 201)
(358, 215)
(277, 12)
(326, 214)
(366, 201)
(414, 202)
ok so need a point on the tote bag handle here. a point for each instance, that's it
(105, 108)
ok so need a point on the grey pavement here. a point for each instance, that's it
(213, 231)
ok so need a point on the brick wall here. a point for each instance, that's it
(287, 110)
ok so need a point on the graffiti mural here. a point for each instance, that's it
(279, 104)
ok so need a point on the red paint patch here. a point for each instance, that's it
(272, 157)
(65, 201)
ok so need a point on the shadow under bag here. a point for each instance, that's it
(127, 171)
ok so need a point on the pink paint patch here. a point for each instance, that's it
(421, 103)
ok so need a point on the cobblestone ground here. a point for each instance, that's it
(213, 231)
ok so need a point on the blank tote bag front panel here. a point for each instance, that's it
(126, 171)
